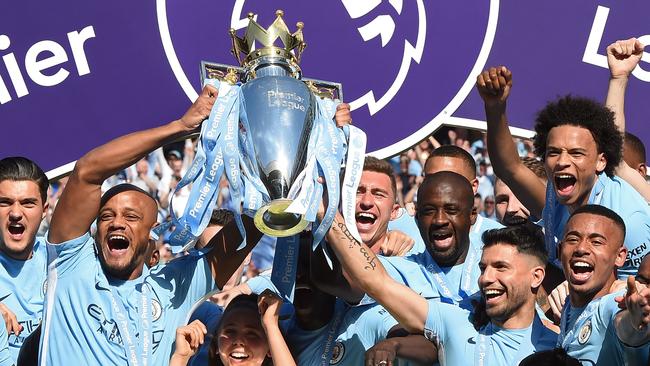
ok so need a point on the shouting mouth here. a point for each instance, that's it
(118, 244)
(442, 240)
(365, 220)
(16, 230)
(581, 272)
(564, 184)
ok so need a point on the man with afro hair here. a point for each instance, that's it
(581, 148)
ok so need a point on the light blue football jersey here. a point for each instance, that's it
(588, 334)
(22, 290)
(5, 355)
(350, 333)
(457, 284)
(80, 325)
(458, 342)
(620, 197)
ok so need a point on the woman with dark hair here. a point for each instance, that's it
(248, 334)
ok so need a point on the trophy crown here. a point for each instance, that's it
(267, 38)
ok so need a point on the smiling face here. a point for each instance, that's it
(123, 227)
(591, 251)
(375, 206)
(21, 212)
(572, 163)
(241, 338)
(444, 215)
(508, 283)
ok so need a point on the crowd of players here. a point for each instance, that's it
(547, 269)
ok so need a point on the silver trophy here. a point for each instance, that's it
(280, 107)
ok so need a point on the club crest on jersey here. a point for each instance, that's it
(337, 353)
(156, 309)
(584, 333)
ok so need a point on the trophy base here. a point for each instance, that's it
(271, 219)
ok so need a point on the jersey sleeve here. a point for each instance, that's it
(71, 256)
(378, 324)
(441, 318)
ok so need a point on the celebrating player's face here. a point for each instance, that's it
(590, 251)
(572, 162)
(375, 206)
(123, 227)
(506, 281)
(444, 215)
(21, 212)
(241, 339)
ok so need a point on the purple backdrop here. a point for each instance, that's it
(76, 74)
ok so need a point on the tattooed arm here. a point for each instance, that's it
(364, 269)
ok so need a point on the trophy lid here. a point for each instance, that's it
(290, 52)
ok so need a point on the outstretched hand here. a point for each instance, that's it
(623, 56)
(637, 302)
(200, 109)
(494, 85)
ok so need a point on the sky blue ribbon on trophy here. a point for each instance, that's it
(285, 266)
(356, 149)
(330, 150)
(219, 143)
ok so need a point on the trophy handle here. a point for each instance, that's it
(325, 89)
(224, 72)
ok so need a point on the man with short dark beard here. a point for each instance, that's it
(512, 269)
(104, 306)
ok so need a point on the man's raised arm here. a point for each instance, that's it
(362, 265)
(79, 203)
(494, 87)
(622, 58)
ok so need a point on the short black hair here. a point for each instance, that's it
(372, 164)
(459, 182)
(601, 211)
(527, 238)
(551, 357)
(634, 145)
(123, 187)
(453, 151)
(221, 217)
(19, 168)
(585, 113)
